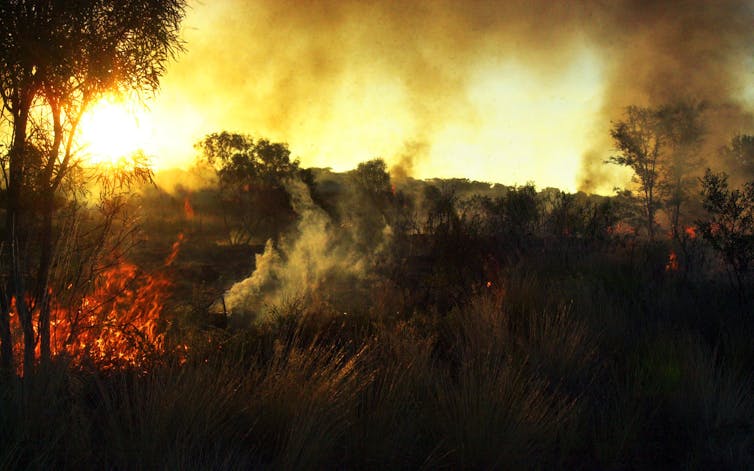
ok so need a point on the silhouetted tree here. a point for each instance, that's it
(739, 156)
(639, 140)
(682, 126)
(251, 176)
(579, 215)
(442, 215)
(662, 147)
(729, 226)
(373, 179)
(370, 207)
(521, 210)
(56, 58)
(453, 252)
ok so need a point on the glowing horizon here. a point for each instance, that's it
(524, 127)
(526, 96)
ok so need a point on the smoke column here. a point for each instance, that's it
(316, 253)
(661, 52)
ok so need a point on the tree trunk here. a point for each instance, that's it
(16, 233)
(49, 183)
(6, 340)
(43, 277)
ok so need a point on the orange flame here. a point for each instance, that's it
(188, 210)
(672, 264)
(691, 232)
(174, 250)
(621, 229)
(118, 324)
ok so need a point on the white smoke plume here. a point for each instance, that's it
(300, 265)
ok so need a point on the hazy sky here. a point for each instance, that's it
(487, 90)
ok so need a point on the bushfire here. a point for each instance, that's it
(672, 264)
(117, 325)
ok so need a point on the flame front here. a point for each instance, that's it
(118, 324)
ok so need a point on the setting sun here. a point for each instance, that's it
(114, 129)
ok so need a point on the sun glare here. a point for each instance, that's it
(112, 130)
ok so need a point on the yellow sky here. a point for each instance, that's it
(500, 93)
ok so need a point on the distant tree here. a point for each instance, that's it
(251, 175)
(579, 215)
(56, 58)
(521, 209)
(739, 155)
(441, 207)
(371, 206)
(682, 127)
(452, 249)
(639, 140)
(373, 179)
(729, 226)
(238, 158)
(513, 217)
(662, 146)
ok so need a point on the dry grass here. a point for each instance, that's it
(510, 380)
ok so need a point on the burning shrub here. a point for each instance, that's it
(116, 325)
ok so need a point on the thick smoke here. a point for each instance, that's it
(666, 52)
(296, 68)
(403, 168)
(317, 254)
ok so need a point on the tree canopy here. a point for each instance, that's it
(252, 178)
(661, 146)
(239, 159)
(57, 57)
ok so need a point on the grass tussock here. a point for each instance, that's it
(534, 372)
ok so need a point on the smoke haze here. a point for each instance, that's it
(502, 91)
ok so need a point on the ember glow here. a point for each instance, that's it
(672, 264)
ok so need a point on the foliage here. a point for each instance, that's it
(56, 58)
(441, 209)
(239, 160)
(252, 183)
(739, 155)
(729, 226)
(639, 141)
(577, 215)
(661, 146)
(371, 206)
(682, 125)
(373, 178)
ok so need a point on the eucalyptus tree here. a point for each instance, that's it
(662, 147)
(58, 57)
(251, 176)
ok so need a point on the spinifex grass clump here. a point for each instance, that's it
(505, 381)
